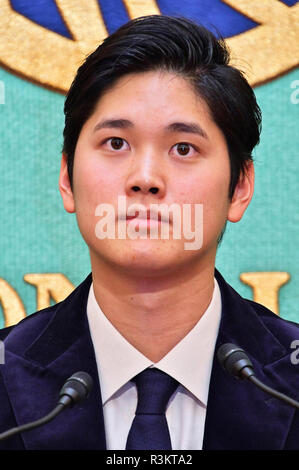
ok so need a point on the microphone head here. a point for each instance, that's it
(77, 388)
(235, 361)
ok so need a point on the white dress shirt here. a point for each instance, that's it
(189, 362)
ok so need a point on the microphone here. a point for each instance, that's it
(235, 362)
(75, 389)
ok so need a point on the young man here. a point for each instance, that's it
(155, 116)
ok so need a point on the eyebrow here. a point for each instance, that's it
(188, 127)
(113, 123)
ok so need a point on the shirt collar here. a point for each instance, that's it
(189, 362)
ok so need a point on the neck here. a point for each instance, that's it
(153, 313)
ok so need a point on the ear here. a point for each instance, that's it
(65, 187)
(242, 195)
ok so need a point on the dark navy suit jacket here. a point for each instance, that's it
(48, 346)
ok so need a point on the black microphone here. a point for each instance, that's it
(76, 389)
(235, 362)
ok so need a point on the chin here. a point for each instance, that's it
(159, 257)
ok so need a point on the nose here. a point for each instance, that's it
(146, 176)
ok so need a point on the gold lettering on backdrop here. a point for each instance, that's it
(12, 305)
(266, 287)
(53, 63)
(48, 285)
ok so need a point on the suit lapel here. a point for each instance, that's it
(35, 373)
(239, 415)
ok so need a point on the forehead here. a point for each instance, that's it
(156, 95)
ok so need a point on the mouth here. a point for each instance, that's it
(149, 217)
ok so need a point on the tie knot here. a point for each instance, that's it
(154, 389)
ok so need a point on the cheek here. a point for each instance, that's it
(216, 205)
(211, 190)
(93, 184)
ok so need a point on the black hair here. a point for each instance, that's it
(178, 45)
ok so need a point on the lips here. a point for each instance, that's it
(142, 216)
(149, 215)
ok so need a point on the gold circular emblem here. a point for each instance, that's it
(51, 60)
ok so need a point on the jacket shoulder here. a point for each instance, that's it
(4, 332)
(26, 330)
(285, 330)
(20, 336)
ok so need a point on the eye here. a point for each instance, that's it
(116, 143)
(183, 149)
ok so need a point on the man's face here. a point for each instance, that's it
(151, 130)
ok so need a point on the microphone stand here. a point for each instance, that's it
(33, 424)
